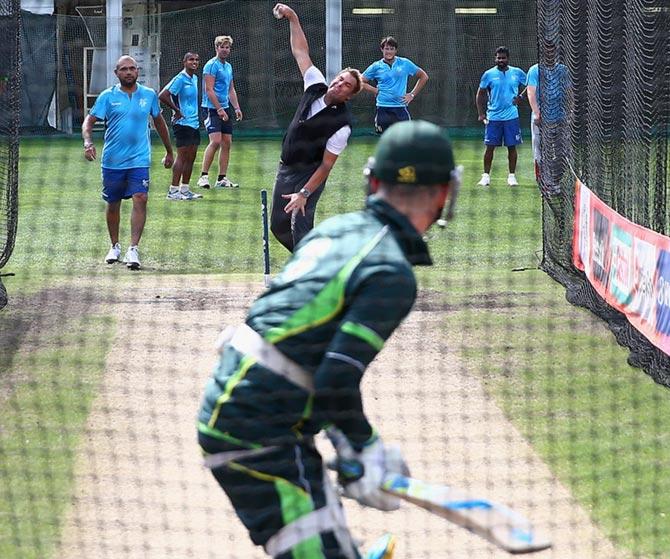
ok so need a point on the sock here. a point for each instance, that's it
(204, 173)
(221, 177)
(184, 188)
(173, 188)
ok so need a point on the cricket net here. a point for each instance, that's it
(616, 138)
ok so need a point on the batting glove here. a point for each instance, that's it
(361, 474)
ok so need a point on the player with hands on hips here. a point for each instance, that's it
(293, 368)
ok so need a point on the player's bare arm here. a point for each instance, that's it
(165, 97)
(162, 129)
(211, 95)
(366, 86)
(534, 105)
(232, 95)
(299, 46)
(422, 79)
(480, 100)
(297, 201)
(86, 130)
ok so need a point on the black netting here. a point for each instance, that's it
(10, 90)
(615, 134)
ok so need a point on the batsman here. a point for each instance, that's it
(295, 366)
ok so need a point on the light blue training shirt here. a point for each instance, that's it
(557, 81)
(223, 76)
(503, 87)
(127, 140)
(391, 80)
(184, 91)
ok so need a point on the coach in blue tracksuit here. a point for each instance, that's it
(391, 74)
(126, 157)
(500, 86)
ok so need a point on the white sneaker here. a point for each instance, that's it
(485, 180)
(174, 195)
(225, 182)
(203, 181)
(114, 254)
(132, 258)
(188, 195)
(511, 180)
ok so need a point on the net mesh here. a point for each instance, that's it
(10, 89)
(494, 384)
(615, 135)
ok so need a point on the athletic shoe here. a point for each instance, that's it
(174, 195)
(485, 180)
(132, 258)
(383, 548)
(225, 182)
(203, 181)
(511, 180)
(188, 195)
(114, 254)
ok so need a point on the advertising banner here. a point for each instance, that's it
(627, 264)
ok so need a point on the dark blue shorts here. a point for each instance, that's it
(497, 130)
(185, 136)
(121, 184)
(214, 123)
(385, 116)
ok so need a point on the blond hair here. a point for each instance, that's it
(222, 40)
(356, 74)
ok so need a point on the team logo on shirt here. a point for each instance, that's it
(143, 103)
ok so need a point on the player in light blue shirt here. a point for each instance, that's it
(550, 106)
(497, 99)
(181, 95)
(125, 108)
(218, 98)
(391, 74)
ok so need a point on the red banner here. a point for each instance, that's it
(627, 264)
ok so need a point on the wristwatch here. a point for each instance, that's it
(304, 192)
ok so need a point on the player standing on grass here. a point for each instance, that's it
(555, 98)
(181, 95)
(126, 155)
(218, 98)
(391, 74)
(501, 115)
(317, 135)
(295, 366)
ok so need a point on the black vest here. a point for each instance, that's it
(305, 140)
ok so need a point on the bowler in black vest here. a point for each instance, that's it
(315, 138)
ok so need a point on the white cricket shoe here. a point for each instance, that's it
(189, 195)
(132, 258)
(485, 180)
(511, 180)
(225, 182)
(203, 181)
(174, 195)
(114, 254)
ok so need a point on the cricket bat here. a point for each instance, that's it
(492, 521)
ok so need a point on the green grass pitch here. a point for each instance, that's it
(554, 369)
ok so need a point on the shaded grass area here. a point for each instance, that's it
(555, 370)
(601, 425)
(46, 391)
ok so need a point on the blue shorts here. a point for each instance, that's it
(385, 116)
(214, 123)
(121, 184)
(497, 130)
